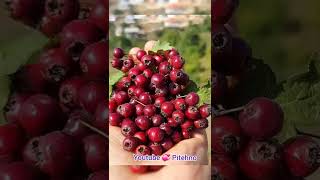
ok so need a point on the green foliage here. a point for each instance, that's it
(161, 46)
(114, 79)
(4, 94)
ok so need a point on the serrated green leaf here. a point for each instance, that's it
(204, 93)
(4, 94)
(161, 46)
(17, 43)
(114, 79)
(191, 87)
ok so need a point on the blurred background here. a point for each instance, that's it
(185, 24)
(283, 33)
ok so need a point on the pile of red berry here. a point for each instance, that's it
(57, 112)
(150, 103)
(244, 144)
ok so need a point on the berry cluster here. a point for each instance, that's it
(150, 102)
(57, 112)
(243, 139)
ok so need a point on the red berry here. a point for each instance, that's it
(261, 118)
(143, 150)
(126, 110)
(167, 109)
(157, 119)
(175, 88)
(166, 128)
(205, 110)
(219, 88)
(159, 101)
(133, 73)
(63, 10)
(155, 134)
(27, 11)
(177, 62)
(128, 127)
(127, 65)
(302, 156)
(93, 63)
(101, 117)
(91, 94)
(157, 80)
(141, 136)
(165, 68)
(115, 119)
(180, 104)
(192, 112)
(147, 73)
(98, 15)
(121, 97)
(161, 92)
(192, 99)
(141, 81)
(223, 10)
(13, 106)
(140, 54)
(145, 98)
(186, 134)
(261, 160)
(118, 53)
(99, 175)
(173, 123)
(167, 143)
(116, 63)
(139, 110)
(11, 138)
(143, 122)
(123, 84)
(188, 125)
(147, 60)
(68, 92)
(226, 135)
(176, 136)
(201, 123)
(149, 110)
(141, 66)
(74, 127)
(112, 105)
(178, 76)
(178, 116)
(96, 153)
(156, 148)
(130, 143)
(223, 168)
(138, 169)
(18, 171)
(158, 59)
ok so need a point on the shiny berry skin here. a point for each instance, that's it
(157, 119)
(161, 92)
(56, 65)
(166, 128)
(156, 148)
(140, 54)
(93, 63)
(302, 156)
(226, 135)
(188, 125)
(11, 138)
(124, 83)
(75, 128)
(176, 136)
(99, 175)
(223, 168)
(167, 143)
(139, 169)
(68, 92)
(118, 53)
(177, 62)
(149, 110)
(143, 122)
(39, 114)
(205, 110)
(261, 159)
(141, 66)
(101, 117)
(63, 10)
(158, 59)
(91, 94)
(13, 106)
(201, 123)
(139, 110)
(116, 63)
(192, 99)
(141, 136)
(147, 73)
(262, 118)
(175, 88)
(171, 122)
(192, 112)
(186, 134)
(115, 119)
(141, 81)
(178, 116)
(159, 101)
(133, 73)
(147, 60)
(78, 34)
(96, 153)
(138, 91)
(112, 105)
(18, 171)
(131, 90)
(145, 98)
(173, 52)
(128, 127)
(130, 143)
(180, 104)
(27, 11)
(167, 109)
(143, 150)
(178, 76)
(155, 134)
(50, 26)
(127, 65)
(157, 80)
(126, 110)
(98, 15)
(165, 68)
(223, 10)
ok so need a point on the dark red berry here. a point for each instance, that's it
(177, 62)
(141, 66)
(188, 125)
(98, 15)
(205, 110)
(156, 148)
(143, 150)
(96, 153)
(140, 54)
(178, 116)
(161, 92)
(143, 122)
(167, 143)
(155, 134)
(18, 170)
(226, 135)
(186, 133)
(177, 76)
(147, 60)
(93, 63)
(139, 110)
(27, 11)
(118, 53)
(116, 63)
(173, 123)
(138, 169)
(157, 119)
(149, 110)
(130, 143)
(175, 88)
(223, 168)
(158, 59)
(75, 128)
(99, 175)
(192, 112)
(133, 73)
(127, 65)
(176, 136)
(141, 136)
(141, 81)
(157, 80)
(112, 105)
(173, 52)
(145, 98)
(101, 117)
(201, 123)
(219, 88)
(192, 99)
(115, 119)
(126, 110)
(128, 127)
(180, 104)
(13, 106)
(159, 101)
(166, 128)
(167, 109)
(12, 139)
(223, 10)
(68, 92)
(147, 73)
(138, 91)
(261, 118)
(62, 10)
(165, 68)
(124, 83)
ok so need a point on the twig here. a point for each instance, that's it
(228, 111)
(94, 129)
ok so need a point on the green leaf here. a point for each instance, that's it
(204, 93)
(191, 87)
(163, 46)
(4, 94)
(17, 43)
(114, 79)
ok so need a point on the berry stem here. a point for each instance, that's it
(139, 102)
(178, 96)
(94, 129)
(228, 111)
(299, 132)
